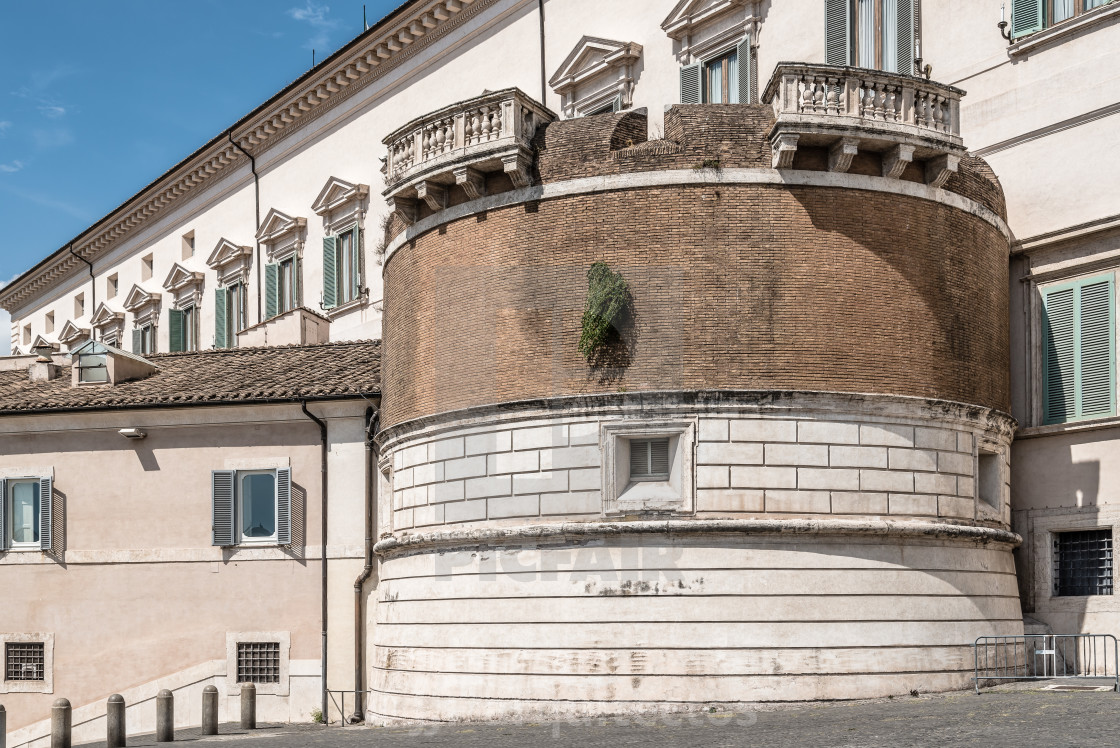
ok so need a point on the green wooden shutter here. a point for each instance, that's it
(284, 506)
(271, 289)
(3, 515)
(616, 104)
(1079, 351)
(137, 340)
(743, 54)
(221, 317)
(46, 514)
(221, 482)
(905, 64)
(1098, 388)
(1027, 17)
(838, 32)
(176, 341)
(356, 270)
(330, 272)
(690, 84)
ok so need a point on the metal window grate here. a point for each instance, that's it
(258, 662)
(23, 661)
(1083, 563)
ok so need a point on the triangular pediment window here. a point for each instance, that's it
(71, 334)
(180, 278)
(226, 252)
(688, 14)
(105, 316)
(336, 193)
(590, 57)
(138, 298)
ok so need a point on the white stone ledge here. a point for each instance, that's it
(578, 530)
(694, 177)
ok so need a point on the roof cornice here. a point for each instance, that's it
(381, 48)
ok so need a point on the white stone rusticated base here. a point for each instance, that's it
(633, 623)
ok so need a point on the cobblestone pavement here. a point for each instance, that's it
(1017, 717)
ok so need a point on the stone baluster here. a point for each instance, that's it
(867, 107)
(496, 130)
(832, 97)
(806, 94)
(484, 133)
(921, 109)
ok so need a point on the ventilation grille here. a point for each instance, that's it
(258, 662)
(1083, 563)
(649, 459)
(23, 661)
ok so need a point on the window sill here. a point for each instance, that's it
(349, 306)
(1095, 424)
(1063, 29)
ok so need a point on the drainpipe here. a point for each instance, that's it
(257, 191)
(92, 290)
(373, 423)
(323, 530)
(544, 85)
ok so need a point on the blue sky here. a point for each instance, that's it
(99, 98)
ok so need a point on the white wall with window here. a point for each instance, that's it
(713, 42)
(231, 263)
(283, 238)
(252, 506)
(26, 512)
(597, 77)
(342, 206)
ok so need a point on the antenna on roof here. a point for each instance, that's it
(365, 24)
(312, 58)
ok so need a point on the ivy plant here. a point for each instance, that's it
(608, 302)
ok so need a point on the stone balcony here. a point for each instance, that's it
(850, 110)
(458, 146)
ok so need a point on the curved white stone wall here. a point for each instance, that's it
(826, 547)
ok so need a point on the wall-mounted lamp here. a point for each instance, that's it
(132, 433)
(1003, 24)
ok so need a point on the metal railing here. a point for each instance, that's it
(344, 715)
(1046, 657)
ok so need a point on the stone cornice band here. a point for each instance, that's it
(577, 531)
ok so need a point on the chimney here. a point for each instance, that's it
(43, 368)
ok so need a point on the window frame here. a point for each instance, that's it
(287, 288)
(147, 338)
(235, 303)
(82, 368)
(9, 515)
(1056, 562)
(1079, 9)
(46, 685)
(239, 509)
(675, 494)
(724, 58)
(283, 638)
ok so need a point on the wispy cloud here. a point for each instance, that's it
(11, 168)
(54, 111)
(316, 16)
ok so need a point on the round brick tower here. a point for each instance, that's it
(784, 479)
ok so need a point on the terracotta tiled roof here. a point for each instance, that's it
(238, 375)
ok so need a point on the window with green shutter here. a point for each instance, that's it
(1079, 350)
(175, 331)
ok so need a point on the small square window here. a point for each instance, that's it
(24, 661)
(1083, 563)
(111, 286)
(79, 306)
(648, 466)
(26, 335)
(147, 267)
(649, 459)
(188, 245)
(258, 662)
(48, 323)
(989, 478)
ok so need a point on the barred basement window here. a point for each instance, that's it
(649, 459)
(24, 661)
(1083, 563)
(258, 662)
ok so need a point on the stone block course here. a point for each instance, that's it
(583, 433)
(584, 480)
(571, 457)
(828, 479)
(913, 504)
(513, 506)
(729, 454)
(911, 459)
(886, 435)
(865, 457)
(589, 502)
(713, 430)
(827, 432)
(763, 430)
(801, 502)
(935, 483)
(447, 491)
(543, 482)
(495, 485)
(859, 503)
(956, 507)
(447, 449)
(540, 437)
(955, 462)
(929, 438)
(423, 516)
(713, 476)
(468, 467)
(498, 441)
(730, 500)
(763, 477)
(513, 462)
(886, 480)
(465, 511)
(796, 454)
(430, 472)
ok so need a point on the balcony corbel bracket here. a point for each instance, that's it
(784, 147)
(404, 208)
(940, 168)
(435, 195)
(516, 167)
(841, 153)
(472, 182)
(896, 160)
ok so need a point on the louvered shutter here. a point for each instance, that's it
(222, 506)
(284, 506)
(3, 515)
(659, 457)
(690, 84)
(905, 64)
(330, 272)
(271, 289)
(137, 341)
(639, 458)
(743, 53)
(616, 104)
(1058, 352)
(356, 270)
(1027, 16)
(838, 32)
(46, 514)
(1097, 390)
(221, 317)
(175, 330)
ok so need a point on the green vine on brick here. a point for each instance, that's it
(608, 302)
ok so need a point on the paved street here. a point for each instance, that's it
(1015, 716)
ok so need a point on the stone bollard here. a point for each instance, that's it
(248, 706)
(165, 717)
(3, 727)
(114, 722)
(60, 724)
(209, 711)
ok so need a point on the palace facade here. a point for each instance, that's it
(315, 409)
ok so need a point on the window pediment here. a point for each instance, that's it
(592, 57)
(105, 316)
(336, 194)
(688, 14)
(225, 253)
(71, 334)
(143, 304)
(277, 226)
(181, 279)
(42, 343)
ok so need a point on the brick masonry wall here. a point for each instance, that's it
(735, 287)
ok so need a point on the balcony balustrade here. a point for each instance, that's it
(459, 145)
(849, 110)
